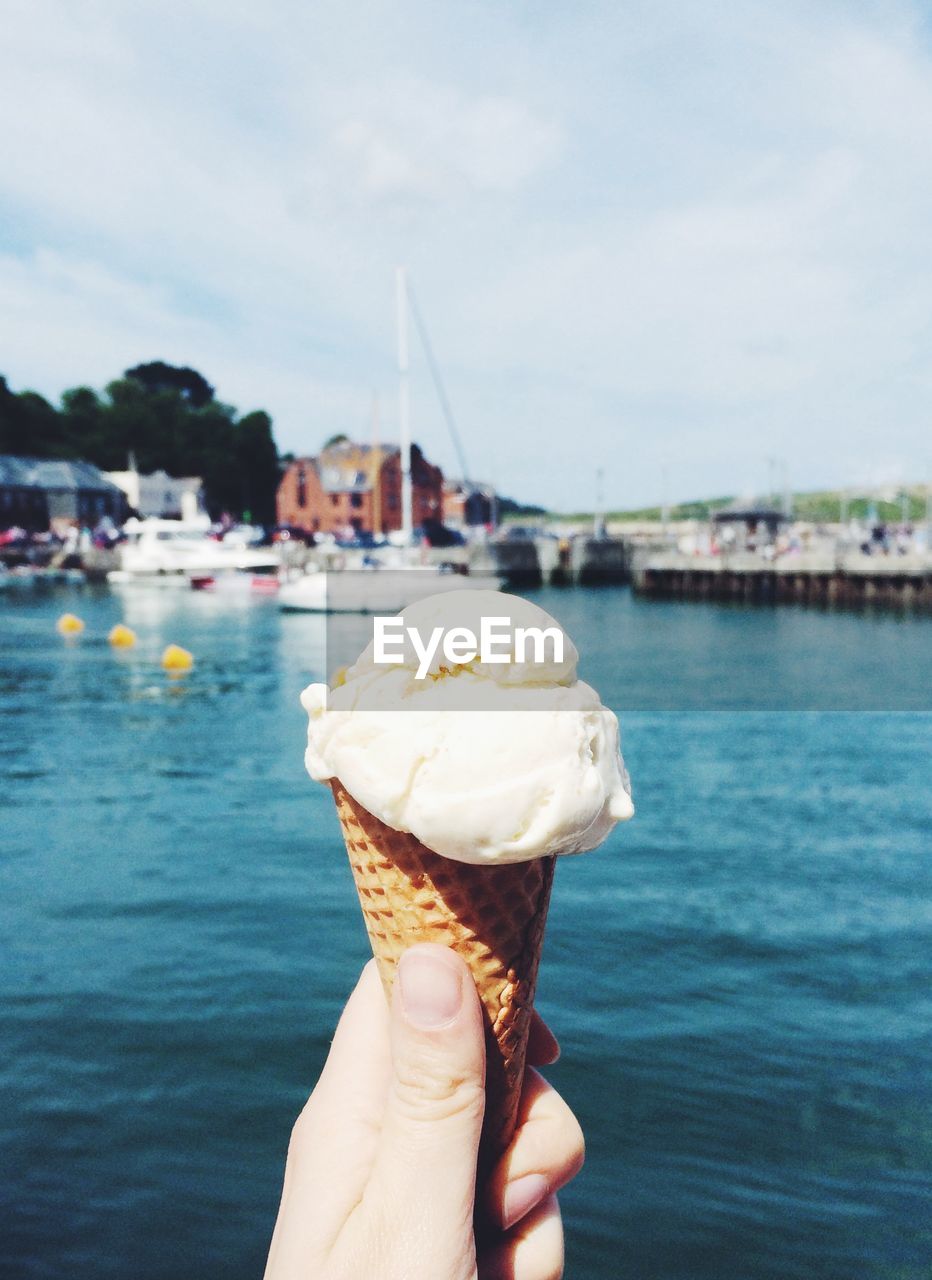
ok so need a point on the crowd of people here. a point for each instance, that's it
(877, 538)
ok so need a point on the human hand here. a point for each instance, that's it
(380, 1181)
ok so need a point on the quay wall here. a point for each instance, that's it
(851, 581)
(544, 561)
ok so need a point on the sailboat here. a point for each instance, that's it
(384, 581)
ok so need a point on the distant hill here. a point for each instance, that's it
(823, 504)
(509, 508)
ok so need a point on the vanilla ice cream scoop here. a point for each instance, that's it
(474, 735)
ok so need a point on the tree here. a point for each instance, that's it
(258, 459)
(30, 426)
(132, 424)
(82, 419)
(159, 376)
(165, 417)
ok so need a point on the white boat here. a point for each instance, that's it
(374, 589)
(385, 580)
(171, 552)
(235, 583)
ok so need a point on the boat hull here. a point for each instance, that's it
(366, 592)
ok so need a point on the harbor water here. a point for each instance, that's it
(741, 978)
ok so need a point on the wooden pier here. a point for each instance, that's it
(850, 580)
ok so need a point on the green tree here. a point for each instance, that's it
(30, 426)
(82, 420)
(188, 383)
(166, 417)
(258, 464)
(131, 424)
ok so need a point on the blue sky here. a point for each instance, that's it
(661, 238)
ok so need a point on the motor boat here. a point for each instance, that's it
(171, 552)
(374, 589)
(235, 583)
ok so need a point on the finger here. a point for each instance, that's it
(542, 1046)
(533, 1250)
(334, 1138)
(426, 1161)
(358, 1065)
(351, 1091)
(548, 1149)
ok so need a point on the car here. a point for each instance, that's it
(362, 540)
(290, 533)
(436, 534)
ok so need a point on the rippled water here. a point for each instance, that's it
(740, 979)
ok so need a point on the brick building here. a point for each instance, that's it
(357, 487)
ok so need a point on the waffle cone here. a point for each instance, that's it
(492, 916)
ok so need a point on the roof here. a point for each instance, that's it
(469, 486)
(751, 511)
(352, 468)
(346, 467)
(50, 473)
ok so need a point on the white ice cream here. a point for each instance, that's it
(484, 763)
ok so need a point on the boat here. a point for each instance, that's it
(235, 583)
(392, 575)
(374, 588)
(171, 552)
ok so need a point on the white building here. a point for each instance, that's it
(160, 494)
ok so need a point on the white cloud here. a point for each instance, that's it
(638, 233)
(90, 324)
(412, 138)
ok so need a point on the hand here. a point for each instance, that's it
(380, 1182)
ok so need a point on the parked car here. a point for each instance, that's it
(436, 534)
(290, 533)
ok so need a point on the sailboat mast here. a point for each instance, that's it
(376, 471)
(404, 405)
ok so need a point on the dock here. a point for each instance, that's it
(848, 579)
(551, 561)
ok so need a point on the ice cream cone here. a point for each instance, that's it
(493, 916)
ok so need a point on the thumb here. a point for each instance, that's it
(426, 1162)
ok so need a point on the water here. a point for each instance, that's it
(740, 979)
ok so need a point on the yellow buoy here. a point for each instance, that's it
(69, 625)
(176, 660)
(122, 637)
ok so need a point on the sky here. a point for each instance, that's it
(672, 240)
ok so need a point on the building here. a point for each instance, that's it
(160, 494)
(467, 505)
(39, 493)
(748, 524)
(357, 487)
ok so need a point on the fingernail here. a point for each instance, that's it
(431, 988)
(521, 1196)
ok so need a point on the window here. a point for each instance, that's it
(302, 487)
(356, 500)
(334, 499)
